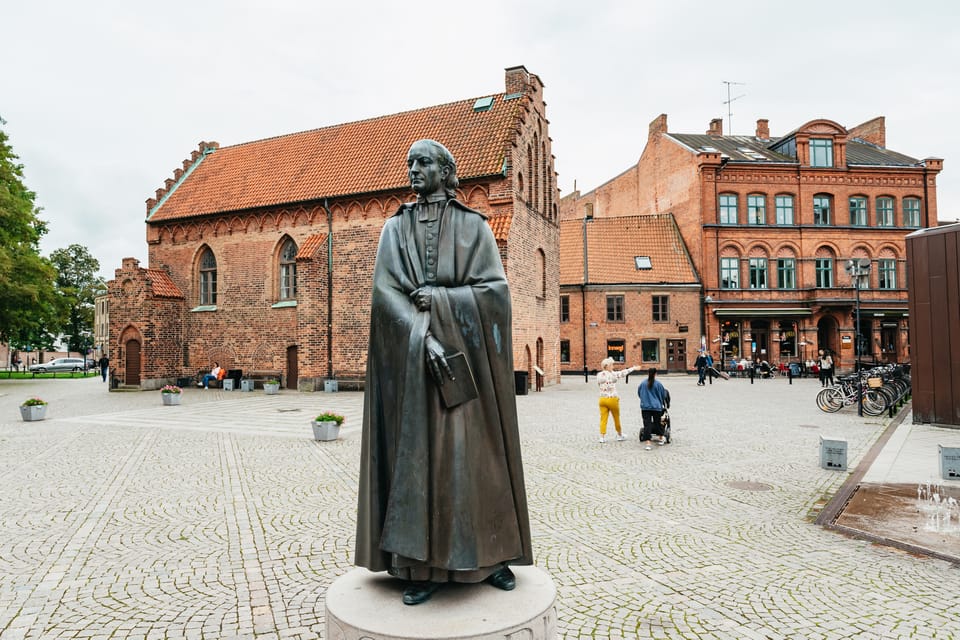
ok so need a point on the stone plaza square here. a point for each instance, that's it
(222, 518)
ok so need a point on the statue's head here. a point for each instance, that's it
(431, 168)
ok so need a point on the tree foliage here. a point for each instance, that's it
(28, 301)
(78, 285)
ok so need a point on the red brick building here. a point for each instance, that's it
(628, 290)
(261, 254)
(771, 224)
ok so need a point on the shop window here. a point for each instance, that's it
(650, 350)
(617, 349)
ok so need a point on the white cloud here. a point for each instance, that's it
(106, 99)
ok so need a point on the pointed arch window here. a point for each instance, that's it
(208, 278)
(288, 270)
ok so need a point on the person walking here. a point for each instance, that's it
(701, 365)
(104, 364)
(826, 369)
(609, 398)
(654, 399)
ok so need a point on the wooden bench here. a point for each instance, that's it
(258, 377)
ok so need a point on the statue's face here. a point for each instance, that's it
(426, 174)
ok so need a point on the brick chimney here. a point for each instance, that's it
(873, 131)
(658, 126)
(517, 79)
(763, 129)
(716, 127)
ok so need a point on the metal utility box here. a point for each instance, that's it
(933, 287)
(330, 386)
(949, 462)
(228, 384)
(833, 454)
(246, 385)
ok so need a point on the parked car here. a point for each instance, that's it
(58, 364)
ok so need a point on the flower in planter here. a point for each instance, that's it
(329, 416)
(271, 381)
(170, 388)
(33, 402)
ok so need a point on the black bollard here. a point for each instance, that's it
(790, 375)
(585, 376)
(752, 373)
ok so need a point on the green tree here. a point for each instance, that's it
(28, 304)
(78, 285)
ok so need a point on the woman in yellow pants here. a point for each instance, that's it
(609, 398)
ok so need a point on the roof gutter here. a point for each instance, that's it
(329, 290)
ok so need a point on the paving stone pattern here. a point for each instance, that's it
(222, 518)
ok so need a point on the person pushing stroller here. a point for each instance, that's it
(654, 400)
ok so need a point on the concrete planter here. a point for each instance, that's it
(33, 412)
(326, 430)
(271, 389)
(171, 398)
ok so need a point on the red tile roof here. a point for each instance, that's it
(311, 245)
(500, 225)
(612, 245)
(163, 286)
(352, 158)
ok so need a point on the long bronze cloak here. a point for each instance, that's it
(441, 487)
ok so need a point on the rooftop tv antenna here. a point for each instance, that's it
(729, 102)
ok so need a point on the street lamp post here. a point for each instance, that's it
(858, 269)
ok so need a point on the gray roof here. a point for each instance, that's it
(752, 149)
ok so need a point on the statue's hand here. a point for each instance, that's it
(422, 298)
(436, 360)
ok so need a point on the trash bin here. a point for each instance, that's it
(236, 375)
(520, 382)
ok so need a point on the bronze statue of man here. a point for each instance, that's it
(441, 493)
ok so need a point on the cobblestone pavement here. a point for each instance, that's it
(222, 518)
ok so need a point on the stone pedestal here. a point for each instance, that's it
(365, 605)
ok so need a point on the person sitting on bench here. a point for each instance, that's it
(215, 374)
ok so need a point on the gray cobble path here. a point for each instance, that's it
(222, 518)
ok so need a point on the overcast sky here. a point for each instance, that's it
(104, 99)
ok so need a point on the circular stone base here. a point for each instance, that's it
(362, 604)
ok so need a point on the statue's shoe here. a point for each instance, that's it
(417, 592)
(503, 579)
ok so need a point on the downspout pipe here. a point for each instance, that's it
(329, 290)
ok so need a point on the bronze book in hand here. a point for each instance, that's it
(463, 387)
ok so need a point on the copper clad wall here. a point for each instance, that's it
(933, 268)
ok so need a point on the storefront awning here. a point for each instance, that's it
(771, 312)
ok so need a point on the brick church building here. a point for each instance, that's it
(777, 228)
(261, 254)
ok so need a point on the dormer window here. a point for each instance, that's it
(821, 152)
